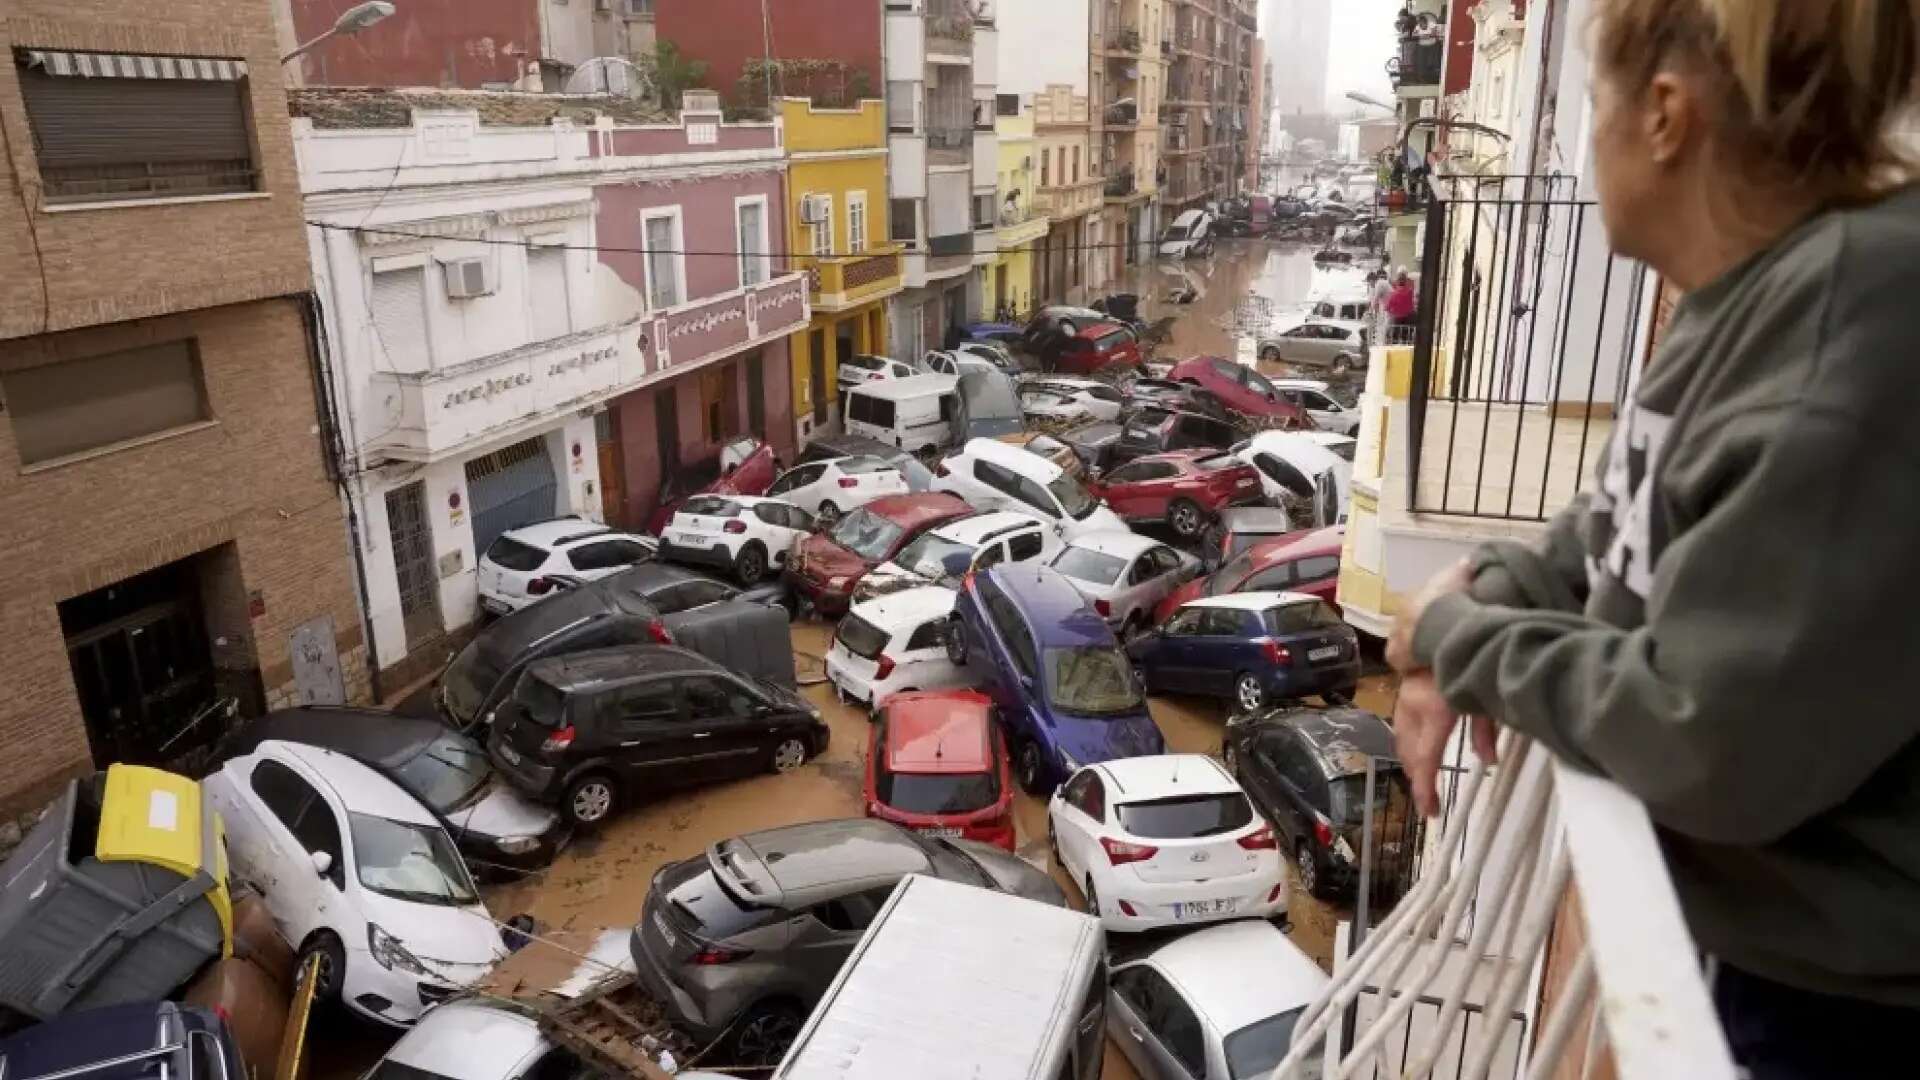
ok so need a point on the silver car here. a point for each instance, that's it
(1328, 343)
(744, 940)
(1124, 575)
(1218, 1004)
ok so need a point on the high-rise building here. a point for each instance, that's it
(1299, 36)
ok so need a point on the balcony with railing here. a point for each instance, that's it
(950, 25)
(1120, 186)
(843, 282)
(1122, 114)
(1418, 65)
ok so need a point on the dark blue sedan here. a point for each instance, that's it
(1255, 648)
(1062, 687)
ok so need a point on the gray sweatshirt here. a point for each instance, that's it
(1728, 625)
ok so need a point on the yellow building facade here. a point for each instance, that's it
(1011, 280)
(837, 231)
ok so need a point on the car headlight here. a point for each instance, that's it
(517, 845)
(390, 954)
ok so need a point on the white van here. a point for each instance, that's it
(915, 413)
(954, 981)
(1190, 234)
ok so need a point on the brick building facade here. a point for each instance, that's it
(176, 534)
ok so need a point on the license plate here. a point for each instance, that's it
(1195, 909)
(941, 832)
(666, 932)
(687, 539)
(496, 606)
(508, 752)
(1327, 653)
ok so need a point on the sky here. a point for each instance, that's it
(1363, 39)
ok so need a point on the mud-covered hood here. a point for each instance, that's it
(1089, 739)
(503, 812)
(821, 558)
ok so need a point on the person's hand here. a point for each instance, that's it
(1452, 579)
(1422, 724)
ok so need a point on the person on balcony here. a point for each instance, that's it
(1402, 303)
(1725, 624)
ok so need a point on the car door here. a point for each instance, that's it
(1215, 653)
(1121, 487)
(1294, 776)
(1317, 575)
(779, 529)
(732, 731)
(1155, 574)
(642, 728)
(797, 486)
(1170, 663)
(1159, 1032)
(297, 822)
(599, 558)
(821, 936)
(1081, 821)
(924, 657)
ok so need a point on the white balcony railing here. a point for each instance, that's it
(1445, 987)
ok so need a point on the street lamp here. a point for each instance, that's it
(351, 21)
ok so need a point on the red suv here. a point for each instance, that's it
(1303, 562)
(744, 466)
(1242, 389)
(1094, 347)
(935, 764)
(826, 565)
(1186, 488)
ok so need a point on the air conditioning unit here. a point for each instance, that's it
(465, 278)
(815, 209)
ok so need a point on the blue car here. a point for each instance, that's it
(1060, 682)
(1007, 334)
(1256, 648)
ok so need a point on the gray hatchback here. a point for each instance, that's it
(742, 942)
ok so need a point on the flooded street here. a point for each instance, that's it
(1242, 285)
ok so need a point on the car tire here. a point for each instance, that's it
(751, 564)
(1337, 697)
(763, 1033)
(1270, 354)
(590, 800)
(333, 965)
(1306, 870)
(788, 754)
(1028, 768)
(828, 513)
(1186, 518)
(1248, 694)
(956, 642)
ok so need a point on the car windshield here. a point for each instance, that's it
(1257, 1049)
(409, 862)
(1174, 232)
(1186, 816)
(467, 680)
(936, 558)
(866, 534)
(446, 773)
(1086, 564)
(1233, 572)
(510, 554)
(1092, 681)
(1349, 793)
(860, 637)
(1073, 495)
(539, 701)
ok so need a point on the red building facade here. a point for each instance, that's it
(727, 34)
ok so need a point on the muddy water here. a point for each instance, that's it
(1241, 286)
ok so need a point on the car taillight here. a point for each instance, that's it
(1277, 890)
(539, 586)
(1120, 853)
(884, 668)
(940, 468)
(736, 526)
(1260, 839)
(658, 631)
(717, 954)
(1126, 908)
(848, 481)
(1323, 832)
(1277, 654)
(559, 740)
(1105, 609)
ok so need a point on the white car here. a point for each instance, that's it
(1168, 840)
(1311, 395)
(993, 352)
(520, 565)
(353, 869)
(944, 555)
(1187, 1010)
(861, 368)
(959, 362)
(993, 475)
(1293, 463)
(1343, 446)
(831, 488)
(748, 536)
(471, 1040)
(893, 643)
(1124, 574)
(1071, 399)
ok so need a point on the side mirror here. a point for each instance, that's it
(322, 862)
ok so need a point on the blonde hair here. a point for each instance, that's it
(1813, 88)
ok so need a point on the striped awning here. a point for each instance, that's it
(95, 65)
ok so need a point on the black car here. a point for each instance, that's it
(1179, 396)
(126, 1042)
(834, 447)
(592, 730)
(651, 603)
(1156, 431)
(496, 827)
(1093, 443)
(1051, 328)
(1306, 770)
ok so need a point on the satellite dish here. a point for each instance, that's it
(611, 75)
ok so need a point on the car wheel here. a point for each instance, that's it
(1307, 869)
(751, 566)
(1270, 354)
(1247, 691)
(828, 514)
(1093, 899)
(956, 642)
(333, 965)
(789, 754)
(1029, 769)
(1337, 697)
(763, 1033)
(591, 799)
(1187, 519)
(1342, 364)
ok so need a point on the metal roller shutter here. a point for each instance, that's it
(509, 488)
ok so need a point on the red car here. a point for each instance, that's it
(936, 764)
(1185, 488)
(745, 466)
(1242, 389)
(1094, 347)
(827, 565)
(1303, 562)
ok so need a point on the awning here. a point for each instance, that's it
(96, 65)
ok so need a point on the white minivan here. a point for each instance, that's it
(1191, 234)
(915, 413)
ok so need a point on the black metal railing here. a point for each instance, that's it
(1524, 337)
(1419, 62)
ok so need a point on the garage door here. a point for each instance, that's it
(510, 488)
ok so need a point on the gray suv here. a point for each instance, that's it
(743, 942)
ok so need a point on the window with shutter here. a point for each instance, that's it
(94, 403)
(400, 319)
(856, 222)
(752, 231)
(547, 293)
(664, 286)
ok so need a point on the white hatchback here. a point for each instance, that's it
(354, 870)
(745, 535)
(994, 475)
(944, 555)
(1169, 840)
(833, 487)
(472, 1040)
(1063, 398)
(862, 368)
(894, 643)
(1311, 395)
(521, 565)
(1124, 574)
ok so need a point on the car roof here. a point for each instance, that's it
(942, 732)
(787, 863)
(1342, 738)
(375, 734)
(1210, 965)
(1329, 438)
(1299, 384)
(1057, 612)
(618, 663)
(360, 788)
(1255, 519)
(908, 607)
(1163, 776)
(1116, 542)
(557, 532)
(908, 386)
(1099, 329)
(912, 511)
(1252, 601)
(468, 1040)
(1011, 457)
(1294, 545)
(977, 528)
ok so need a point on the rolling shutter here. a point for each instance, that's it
(509, 488)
